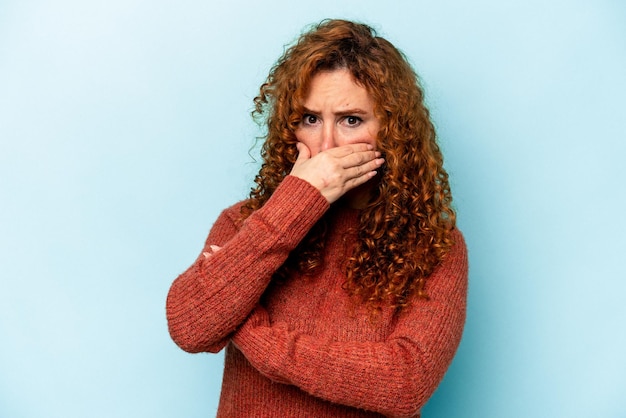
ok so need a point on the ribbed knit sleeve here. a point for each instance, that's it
(213, 296)
(394, 377)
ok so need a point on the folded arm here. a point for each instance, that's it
(394, 377)
(213, 297)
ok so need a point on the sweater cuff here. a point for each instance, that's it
(294, 207)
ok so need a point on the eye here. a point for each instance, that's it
(353, 120)
(309, 119)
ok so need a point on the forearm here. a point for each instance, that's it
(207, 302)
(394, 376)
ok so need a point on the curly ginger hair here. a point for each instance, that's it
(405, 230)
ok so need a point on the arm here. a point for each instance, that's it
(213, 297)
(394, 377)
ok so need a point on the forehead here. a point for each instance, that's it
(337, 86)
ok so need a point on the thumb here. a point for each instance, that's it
(304, 153)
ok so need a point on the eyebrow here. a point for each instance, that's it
(354, 111)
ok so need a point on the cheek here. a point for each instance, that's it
(301, 136)
(362, 136)
(373, 134)
(307, 138)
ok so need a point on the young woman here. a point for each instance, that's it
(339, 287)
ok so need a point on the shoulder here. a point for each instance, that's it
(459, 247)
(457, 256)
(232, 214)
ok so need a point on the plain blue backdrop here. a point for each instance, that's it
(125, 129)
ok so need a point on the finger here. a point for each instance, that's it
(214, 249)
(345, 150)
(358, 159)
(360, 179)
(367, 169)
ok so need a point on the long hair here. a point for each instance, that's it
(405, 230)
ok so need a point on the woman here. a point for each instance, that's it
(339, 287)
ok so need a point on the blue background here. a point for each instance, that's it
(125, 129)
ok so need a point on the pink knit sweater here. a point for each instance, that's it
(302, 347)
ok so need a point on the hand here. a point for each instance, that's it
(214, 249)
(335, 171)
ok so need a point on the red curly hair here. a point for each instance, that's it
(405, 230)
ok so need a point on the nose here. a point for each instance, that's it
(328, 137)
